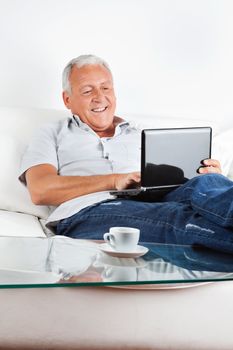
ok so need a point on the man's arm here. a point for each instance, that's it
(46, 187)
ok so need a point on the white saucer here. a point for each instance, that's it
(139, 251)
(161, 286)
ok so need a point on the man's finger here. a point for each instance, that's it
(211, 162)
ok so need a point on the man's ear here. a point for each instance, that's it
(66, 99)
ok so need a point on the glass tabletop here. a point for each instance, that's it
(64, 262)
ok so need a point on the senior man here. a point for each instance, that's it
(72, 165)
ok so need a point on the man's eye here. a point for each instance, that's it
(86, 92)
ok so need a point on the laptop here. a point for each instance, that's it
(170, 157)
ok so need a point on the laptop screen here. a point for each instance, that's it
(172, 156)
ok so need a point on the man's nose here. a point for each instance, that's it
(98, 95)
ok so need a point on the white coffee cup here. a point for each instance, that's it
(123, 239)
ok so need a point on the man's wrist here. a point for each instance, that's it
(113, 181)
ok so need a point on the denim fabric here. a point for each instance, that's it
(199, 212)
(191, 257)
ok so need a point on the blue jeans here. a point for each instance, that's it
(198, 212)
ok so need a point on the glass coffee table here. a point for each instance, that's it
(65, 262)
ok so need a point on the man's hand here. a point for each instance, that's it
(130, 180)
(210, 166)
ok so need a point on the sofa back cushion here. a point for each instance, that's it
(17, 127)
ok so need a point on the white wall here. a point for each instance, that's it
(168, 57)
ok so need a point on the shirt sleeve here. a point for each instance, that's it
(41, 150)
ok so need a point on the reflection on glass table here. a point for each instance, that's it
(61, 261)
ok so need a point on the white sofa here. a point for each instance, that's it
(102, 318)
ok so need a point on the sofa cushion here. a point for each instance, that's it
(223, 151)
(17, 128)
(21, 225)
(18, 254)
(13, 195)
(22, 122)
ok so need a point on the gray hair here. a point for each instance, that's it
(79, 62)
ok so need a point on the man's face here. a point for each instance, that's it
(92, 97)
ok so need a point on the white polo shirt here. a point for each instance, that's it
(73, 148)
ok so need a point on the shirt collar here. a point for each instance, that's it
(118, 130)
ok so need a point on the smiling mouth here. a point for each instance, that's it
(99, 110)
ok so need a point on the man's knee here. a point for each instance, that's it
(211, 181)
